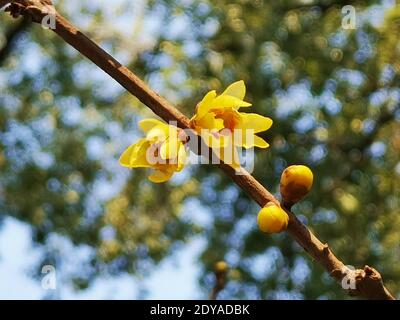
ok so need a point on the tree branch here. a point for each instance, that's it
(220, 280)
(368, 282)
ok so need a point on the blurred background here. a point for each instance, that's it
(110, 233)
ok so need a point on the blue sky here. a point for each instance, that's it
(174, 278)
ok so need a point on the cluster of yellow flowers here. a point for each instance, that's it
(217, 120)
(219, 123)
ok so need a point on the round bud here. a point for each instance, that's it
(221, 267)
(272, 219)
(296, 182)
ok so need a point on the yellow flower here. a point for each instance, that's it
(296, 183)
(272, 219)
(162, 150)
(225, 126)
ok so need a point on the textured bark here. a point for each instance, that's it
(220, 281)
(368, 282)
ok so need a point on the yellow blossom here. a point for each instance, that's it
(162, 150)
(221, 125)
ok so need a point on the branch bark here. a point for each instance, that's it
(367, 281)
(218, 287)
(220, 282)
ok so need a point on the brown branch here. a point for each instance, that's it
(368, 282)
(220, 273)
(219, 286)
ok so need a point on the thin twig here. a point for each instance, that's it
(368, 281)
(220, 281)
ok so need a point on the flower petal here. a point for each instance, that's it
(258, 142)
(225, 101)
(125, 158)
(215, 139)
(204, 106)
(135, 155)
(254, 121)
(236, 89)
(158, 133)
(230, 156)
(249, 140)
(210, 122)
(169, 149)
(147, 124)
(159, 176)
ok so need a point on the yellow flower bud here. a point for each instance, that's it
(272, 219)
(296, 182)
(221, 267)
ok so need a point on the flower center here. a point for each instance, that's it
(230, 117)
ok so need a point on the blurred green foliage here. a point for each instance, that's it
(333, 94)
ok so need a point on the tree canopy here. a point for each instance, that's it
(333, 94)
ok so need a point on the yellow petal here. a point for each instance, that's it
(254, 121)
(169, 149)
(260, 142)
(147, 124)
(139, 155)
(230, 156)
(135, 155)
(236, 89)
(210, 122)
(249, 140)
(204, 106)
(158, 133)
(225, 101)
(125, 158)
(215, 139)
(159, 176)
